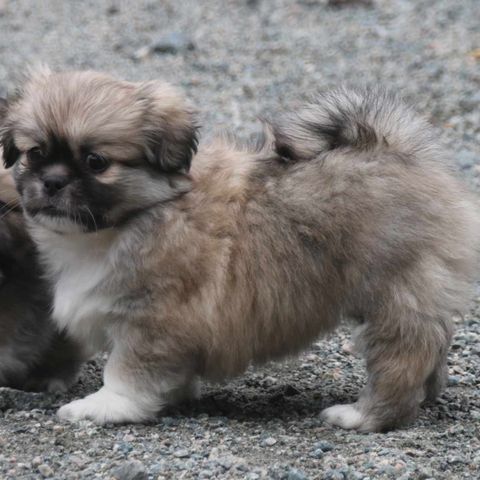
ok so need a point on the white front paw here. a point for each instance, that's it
(345, 416)
(103, 407)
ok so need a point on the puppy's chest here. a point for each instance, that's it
(82, 302)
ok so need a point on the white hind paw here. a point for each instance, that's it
(345, 416)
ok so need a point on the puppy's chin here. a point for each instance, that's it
(63, 225)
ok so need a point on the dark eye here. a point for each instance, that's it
(96, 163)
(35, 154)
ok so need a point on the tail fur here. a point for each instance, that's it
(358, 119)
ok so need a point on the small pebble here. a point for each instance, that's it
(181, 453)
(294, 474)
(269, 441)
(131, 470)
(174, 42)
(332, 474)
(45, 470)
(324, 446)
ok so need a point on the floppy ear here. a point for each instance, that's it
(10, 151)
(170, 128)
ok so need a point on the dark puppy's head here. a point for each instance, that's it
(90, 151)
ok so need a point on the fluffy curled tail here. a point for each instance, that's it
(356, 119)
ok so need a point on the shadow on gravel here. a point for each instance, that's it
(243, 400)
(281, 402)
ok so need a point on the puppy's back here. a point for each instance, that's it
(369, 162)
(348, 203)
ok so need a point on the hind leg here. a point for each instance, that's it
(405, 363)
(437, 381)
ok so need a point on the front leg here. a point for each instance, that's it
(137, 385)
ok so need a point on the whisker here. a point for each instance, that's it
(15, 202)
(7, 190)
(93, 218)
(72, 215)
(12, 207)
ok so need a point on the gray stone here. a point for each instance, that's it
(131, 470)
(324, 446)
(181, 453)
(294, 474)
(173, 42)
(45, 470)
(269, 442)
(333, 474)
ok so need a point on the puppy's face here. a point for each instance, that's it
(90, 151)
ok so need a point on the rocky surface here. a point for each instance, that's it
(238, 60)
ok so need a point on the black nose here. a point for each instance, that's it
(54, 183)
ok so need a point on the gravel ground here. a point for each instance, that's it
(238, 60)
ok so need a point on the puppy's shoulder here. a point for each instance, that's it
(223, 169)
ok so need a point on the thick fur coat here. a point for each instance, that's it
(346, 208)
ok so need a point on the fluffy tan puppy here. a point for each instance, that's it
(347, 208)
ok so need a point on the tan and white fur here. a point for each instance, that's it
(346, 208)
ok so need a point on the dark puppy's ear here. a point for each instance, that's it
(170, 128)
(10, 151)
(3, 109)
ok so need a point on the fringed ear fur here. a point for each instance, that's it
(172, 150)
(170, 128)
(10, 151)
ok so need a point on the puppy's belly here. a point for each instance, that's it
(256, 344)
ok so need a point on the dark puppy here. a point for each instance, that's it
(33, 356)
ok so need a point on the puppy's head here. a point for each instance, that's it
(90, 151)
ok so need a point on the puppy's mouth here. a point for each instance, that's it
(49, 211)
(54, 212)
(62, 220)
